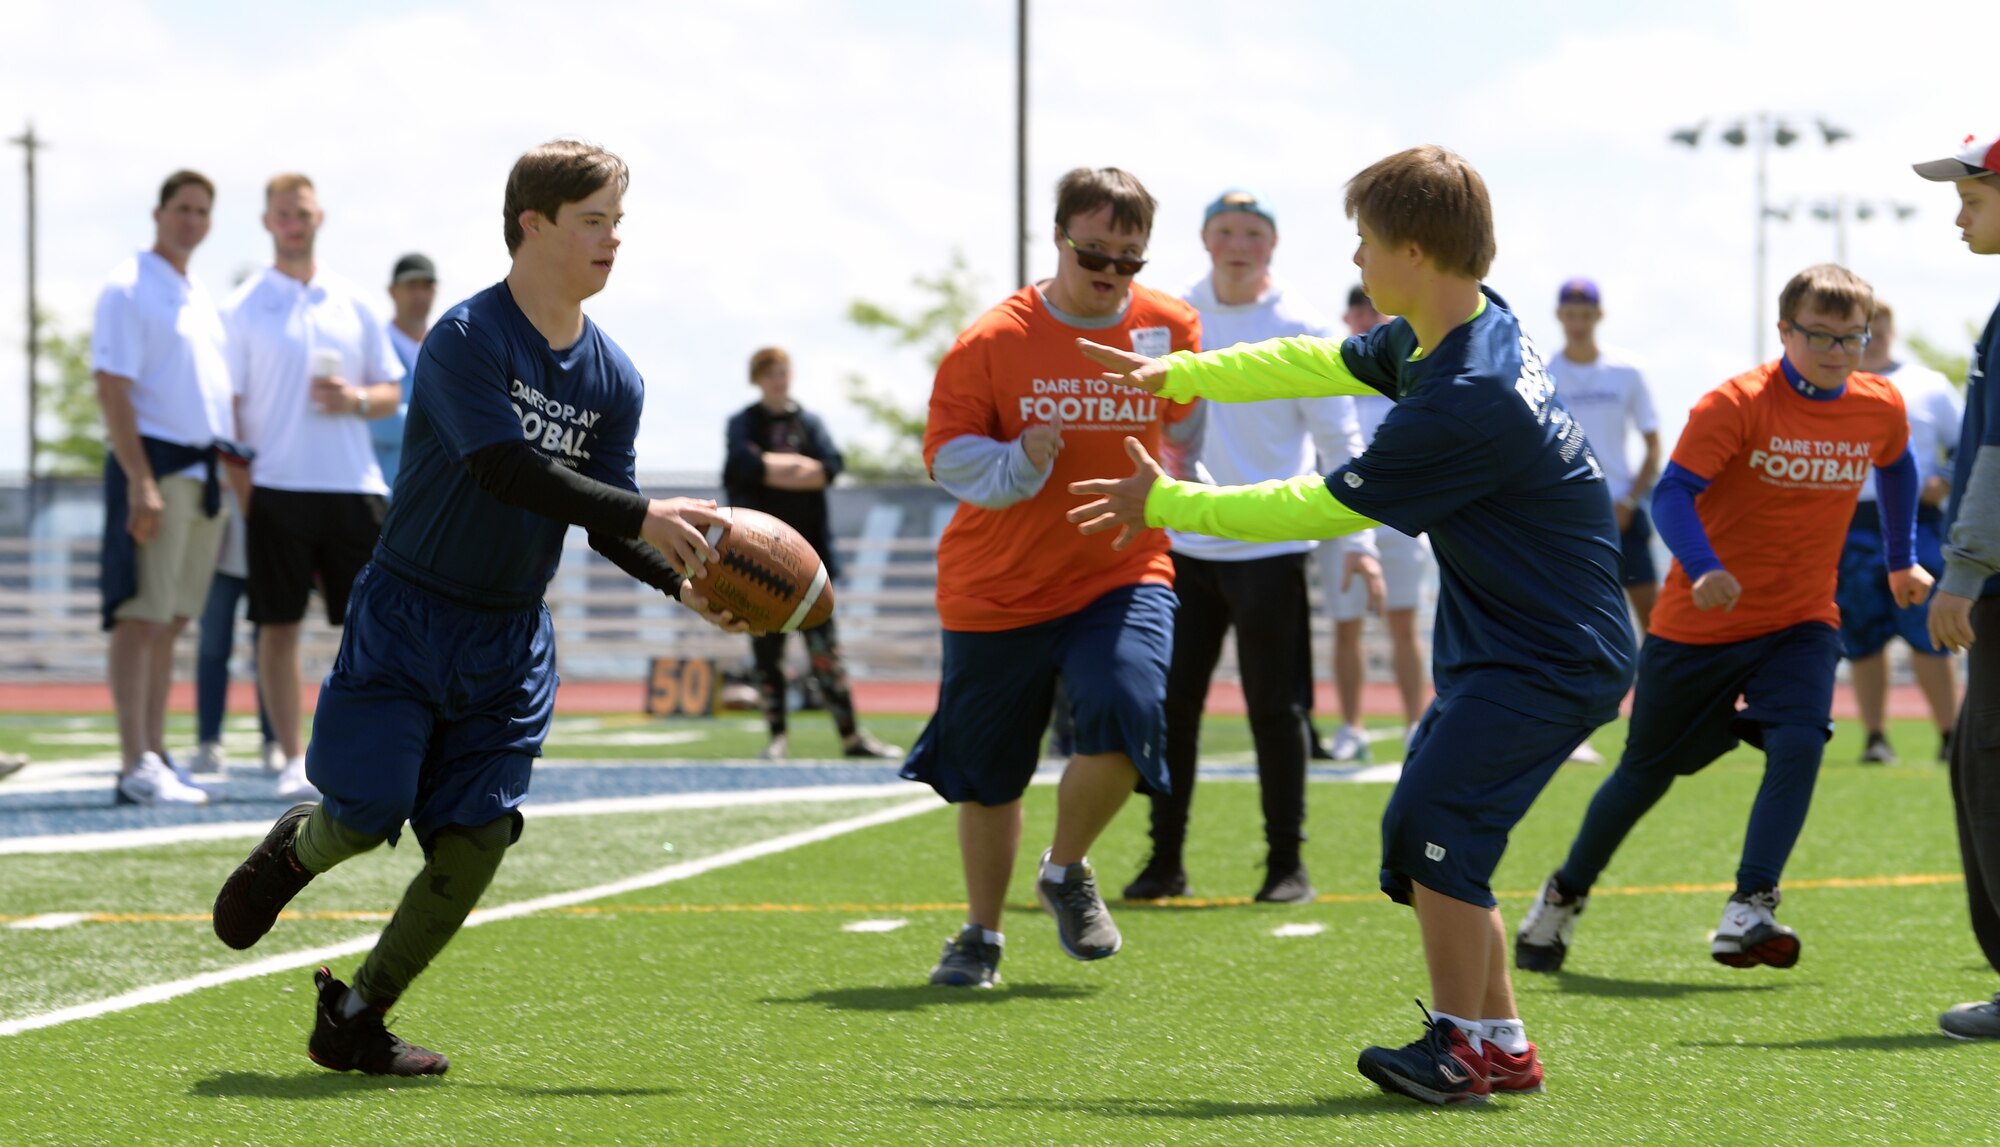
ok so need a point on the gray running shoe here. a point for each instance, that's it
(1977, 1020)
(1083, 923)
(968, 961)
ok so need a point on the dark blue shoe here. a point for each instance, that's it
(1439, 1068)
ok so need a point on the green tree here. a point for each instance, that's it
(1952, 365)
(66, 397)
(951, 299)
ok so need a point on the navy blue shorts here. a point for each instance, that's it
(1470, 772)
(1869, 616)
(434, 711)
(985, 740)
(1684, 711)
(1635, 543)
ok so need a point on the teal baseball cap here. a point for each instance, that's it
(1237, 199)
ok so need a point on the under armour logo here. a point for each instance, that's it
(1433, 851)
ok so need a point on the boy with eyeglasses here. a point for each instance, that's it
(1754, 507)
(1968, 599)
(1015, 414)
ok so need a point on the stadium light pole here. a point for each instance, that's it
(30, 143)
(1760, 131)
(1840, 209)
(1020, 143)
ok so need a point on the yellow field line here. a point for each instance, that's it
(1906, 880)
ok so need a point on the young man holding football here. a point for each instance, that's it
(445, 683)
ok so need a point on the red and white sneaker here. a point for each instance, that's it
(1513, 1074)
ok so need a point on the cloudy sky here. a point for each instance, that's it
(792, 156)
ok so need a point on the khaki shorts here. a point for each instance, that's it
(177, 565)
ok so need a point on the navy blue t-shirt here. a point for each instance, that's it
(487, 376)
(1480, 453)
(1981, 426)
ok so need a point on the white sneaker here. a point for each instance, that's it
(1750, 934)
(11, 763)
(1585, 755)
(151, 782)
(1349, 744)
(207, 759)
(778, 749)
(292, 782)
(1543, 940)
(274, 757)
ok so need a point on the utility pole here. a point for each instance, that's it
(1020, 143)
(30, 143)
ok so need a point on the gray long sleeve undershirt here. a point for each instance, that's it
(986, 472)
(1972, 551)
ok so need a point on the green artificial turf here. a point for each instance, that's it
(732, 1007)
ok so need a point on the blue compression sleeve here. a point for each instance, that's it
(1678, 524)
(1896, 494)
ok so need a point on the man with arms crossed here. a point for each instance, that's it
(1479, 453)
(1016, 413)
(1257, 589)
(157, 350)
(312, 366)
(445, 684)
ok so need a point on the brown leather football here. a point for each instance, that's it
(768, 574)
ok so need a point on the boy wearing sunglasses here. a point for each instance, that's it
(1754, 506)
(1015, 414)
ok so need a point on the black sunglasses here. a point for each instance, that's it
(1098, 260)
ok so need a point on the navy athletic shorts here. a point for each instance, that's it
(434, 711)
(1635, 545)
(1470, 772)
(985, 740)
(1684, 711)
(1869, 616)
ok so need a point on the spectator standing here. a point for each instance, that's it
(312, 365)
(211, 666)
(1257, 589)
(1869, 615)
(780, 460)
(413, 290)
(157, 353)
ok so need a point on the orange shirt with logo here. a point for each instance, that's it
(1017, 366)
(1783, 472)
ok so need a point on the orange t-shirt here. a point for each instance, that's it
(1017, 366)
(1783, 472)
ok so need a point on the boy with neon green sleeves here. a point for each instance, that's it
(1532, 648)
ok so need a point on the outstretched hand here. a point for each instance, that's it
(1127, 368)
(713, 614)
(1121, 502)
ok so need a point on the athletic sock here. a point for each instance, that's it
(1473, 1029)
(322, 842)
(457, 869)
(1508, 1035)
(1055, 873)
(988, 935)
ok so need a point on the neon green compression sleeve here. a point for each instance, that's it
(1295, 367)
(1291, 510)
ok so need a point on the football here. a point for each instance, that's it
(766, 573)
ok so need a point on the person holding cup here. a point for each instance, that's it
(311, 365)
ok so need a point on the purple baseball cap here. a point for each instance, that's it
(1579, 290)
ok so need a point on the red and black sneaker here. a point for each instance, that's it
(1439, 1068)
(1513, 1074)
(263, 884)
(361, 1042)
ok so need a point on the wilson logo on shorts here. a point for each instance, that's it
(1433, 851)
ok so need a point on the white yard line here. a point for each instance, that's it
(50, 920)
(250, 829)
(308, 957)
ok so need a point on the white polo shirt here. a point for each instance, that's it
(1608, 397)
(161, 329)
(275, 323)
(1935, 411)
(1243, 443)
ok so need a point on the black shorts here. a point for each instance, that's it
(295, 537)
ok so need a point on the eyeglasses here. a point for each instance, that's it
(1827, 340)
(1098, 260)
